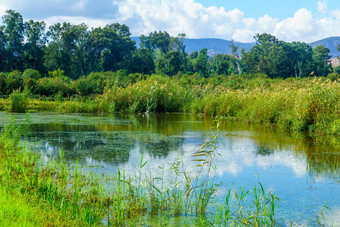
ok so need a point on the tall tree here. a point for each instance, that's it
(201, 63)
(321, 61)
(234, 52)
(301, 57)
(109, 50)
(14, 32)
(142, 62)
(156, 40)
(3, 52)
(35, 43)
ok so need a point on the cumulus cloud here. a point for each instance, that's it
(197, 21)
(177, 16)
(300, 25)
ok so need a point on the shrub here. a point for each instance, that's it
(92, 84)
(31, 73)
(333, 76)
(14, 81)
(2, 83)
(18, 102)
(51, 86)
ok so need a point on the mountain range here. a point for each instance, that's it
(221, 46)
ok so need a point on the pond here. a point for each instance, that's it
(304, 175)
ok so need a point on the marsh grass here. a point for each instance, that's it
(309, 105)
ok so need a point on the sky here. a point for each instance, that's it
(240, 20)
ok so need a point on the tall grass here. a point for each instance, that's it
(309, 105)
(312, 106)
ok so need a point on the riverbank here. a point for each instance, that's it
(311, 105)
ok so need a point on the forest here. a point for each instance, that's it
(77, 51)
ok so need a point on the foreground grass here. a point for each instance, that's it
(51, 194)
(17, 209)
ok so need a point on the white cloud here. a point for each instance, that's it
(91, 22)
(191, 18)
(322, 7)
(177, 16)
(3, 9)
(300, 25)
(197, 21)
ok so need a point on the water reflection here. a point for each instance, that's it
(112, 139)
(305, 175)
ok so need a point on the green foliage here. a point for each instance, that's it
(3, 85)
(31, 73)
(280, 59)
(142, 62)
(14, 81)
(93, 83)
(155, 94)
(18, 102)
(333, 76)
(78, 51)
(337, 69)
(51, 86)
(201, 63)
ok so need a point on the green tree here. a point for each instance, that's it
(174, 62)
(277, 58)
(3, 52)
(301, 58)
(13, 31)
(156, 40)
(35, 43)
(68, 49)
(201, 63)
(321, 61)
(142, 62)
(223, 64)
(236, 57)
(110, 48)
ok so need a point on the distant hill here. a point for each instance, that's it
(331, 43)
(214, 46)
(221, 46)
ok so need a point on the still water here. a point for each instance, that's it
(305, 176)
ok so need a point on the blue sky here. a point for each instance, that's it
(289, 20)
(280, 9)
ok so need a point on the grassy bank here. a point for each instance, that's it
(297, 105)
(45, 194)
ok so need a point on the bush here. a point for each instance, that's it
(2, 83)
(93, 83)
(18, 102)
(51, 86)
(333, 76)
(337, 69)
(31, 73)
(14, 82)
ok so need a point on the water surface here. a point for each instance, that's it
(304, 175)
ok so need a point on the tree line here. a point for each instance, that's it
(78, 50)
